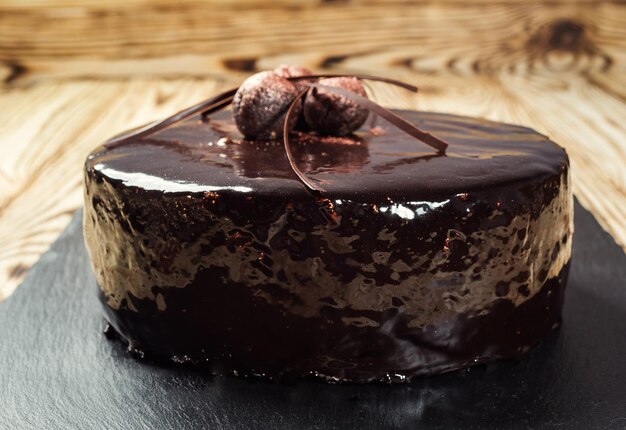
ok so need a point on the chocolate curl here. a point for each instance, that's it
(394, 119)
(206, 107)
(308, 183)
(400, 84)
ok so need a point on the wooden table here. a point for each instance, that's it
(73, 73)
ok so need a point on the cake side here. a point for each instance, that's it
(359, 289)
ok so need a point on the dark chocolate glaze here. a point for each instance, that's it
(208, 250)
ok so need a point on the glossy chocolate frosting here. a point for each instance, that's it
(208, 250)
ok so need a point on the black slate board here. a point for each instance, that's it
(59, 371)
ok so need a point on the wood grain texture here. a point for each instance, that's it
(75, 73)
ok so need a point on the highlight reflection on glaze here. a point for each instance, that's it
(155, 183)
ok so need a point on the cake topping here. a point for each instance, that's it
(260, 105)
(328, 112)
(262, 100)
(269, 104)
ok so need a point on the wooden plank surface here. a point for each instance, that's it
(74, 73)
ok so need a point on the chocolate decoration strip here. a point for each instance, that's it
(400, 84)
(206, 107)
(311, 186)
(394, 119)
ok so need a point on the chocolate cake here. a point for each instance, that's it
(209, 250)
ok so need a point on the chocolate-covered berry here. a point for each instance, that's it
(261, 103)
(332, 114)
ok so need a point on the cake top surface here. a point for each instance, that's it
(199, 156)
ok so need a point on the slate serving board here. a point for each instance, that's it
(59, 371)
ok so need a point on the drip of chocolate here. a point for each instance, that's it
(308, 183)
(304, 83)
